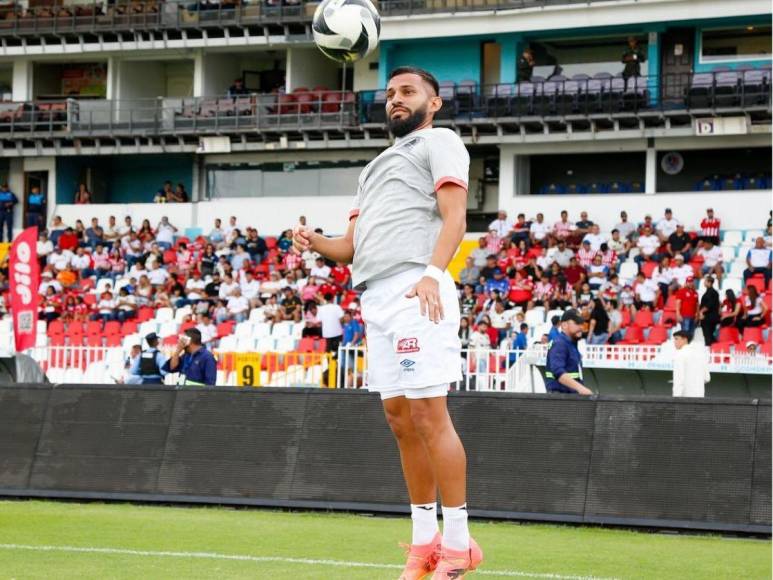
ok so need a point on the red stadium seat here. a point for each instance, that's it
(144, 314)
(170, 340)
(56, 340)
(643, 318)
(270, 242)
(753, 334)
(94, 327)
(633, 335)
(112, 327)
(128, 327)
(182, 240)
(626, 318)
(648, 268)
(186, 325)
(93, 340)
(766, 349)
(170, 257)
(55, 327)
(113, 340)
(722, 348)
(729, 334)
(89, 299)
(758, 281)
(75, 327)
(657, 335)
(225, 328)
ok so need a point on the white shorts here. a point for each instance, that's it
(409, 355)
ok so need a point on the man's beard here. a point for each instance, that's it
(401, 127)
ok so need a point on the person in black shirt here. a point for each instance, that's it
(598, 329)
(256, 246)
(632, 59)
(526, 66)
(237, 89)
(709, 311)
(679, 242)
(212, 290)
(488, 270)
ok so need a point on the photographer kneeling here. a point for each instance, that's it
(195, 363)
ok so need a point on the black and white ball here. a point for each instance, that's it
(346, 30)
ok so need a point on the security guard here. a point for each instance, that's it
(632, 59)
(563, 370)
(8, 200)
(195, 363)
(149, 365)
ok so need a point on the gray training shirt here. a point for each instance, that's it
(398, 222)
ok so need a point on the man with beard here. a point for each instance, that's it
(563, 369)
(408, 218)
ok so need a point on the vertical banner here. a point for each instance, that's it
(25, 279)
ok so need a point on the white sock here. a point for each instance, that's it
(424, 517)
(456, 535)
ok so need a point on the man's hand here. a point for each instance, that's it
(181, 344)
(428, 292)
(582, 390)
(301, 239)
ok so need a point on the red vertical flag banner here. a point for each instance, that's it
(24, 274)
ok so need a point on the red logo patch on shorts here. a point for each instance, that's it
(408, 345)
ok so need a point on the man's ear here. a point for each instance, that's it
(435, 103)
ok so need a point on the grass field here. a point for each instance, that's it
(52, 540)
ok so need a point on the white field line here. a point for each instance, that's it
(308, 561)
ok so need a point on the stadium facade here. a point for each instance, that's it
(123, 97)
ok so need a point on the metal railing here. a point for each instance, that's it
(17, 19)
(175, 116)
(464, 103)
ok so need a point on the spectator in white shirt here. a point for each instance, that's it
(681, 271)
(158, 275)
(480, 253)
(81, 262)
(126, 305)
(560, 254)
(502, 225)
(758, 260)
(60, 259)
(648, 245)
(712, 258)
(320, 269)
(216, 236)
(228, 287)
(44, 247)
(595, 238)
(666, 226)
(207, 329)
(539, 230)
(626, 228)
(126, 228)
(194, 287)
(330, 315)
(250, 287)
(165, 234)
(619, 245)
(238, 306)
(228, 230)
(646, 291)
(111, 233)
(46, 280)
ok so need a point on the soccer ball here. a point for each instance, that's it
(346, 30)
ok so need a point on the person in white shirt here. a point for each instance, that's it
(110, 233)
(618, 245)
(560, 254)
(646, 291)
(666, 226)
(250, 287)
(106, 306)
(238, 306)
(44, 246)
(691, 369)
(207, 329)
(330, 315)
(595, 238)
(228, 287)
(271, 287)
(46, 280)
(309, 258)
(626, 228)
(194, 287)
(479, 339)
(126, 228)
(758, 260)
(648, 245)
(681, 271)
(216, 236)
(320, 269)
(158, 276)
(228, 230)
(712, 258)
(81, 261)
(539, 230)
(165, 234)
(60, 259)
(501, 225)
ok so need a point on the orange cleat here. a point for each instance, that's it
(422, 559)
(454, 564)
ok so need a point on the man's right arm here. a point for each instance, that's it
(337, 249)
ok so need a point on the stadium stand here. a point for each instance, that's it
(258, 296)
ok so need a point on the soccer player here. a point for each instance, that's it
(408, 218)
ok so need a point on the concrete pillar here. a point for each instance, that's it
(111, 91)
(16, 183)
(507, 178)
(651, 173)
(22, 80)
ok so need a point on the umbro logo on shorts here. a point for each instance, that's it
(407, 363)
(408, 345)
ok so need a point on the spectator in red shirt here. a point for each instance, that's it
(520, 290)
(342, 275)
(710, 227)
(687, 305)
(68, 240)
(574, 273)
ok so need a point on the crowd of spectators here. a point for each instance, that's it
(524, 264)
(651, 270)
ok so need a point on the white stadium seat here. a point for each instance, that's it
(734, 284)
(168, 328)
(285, 344)
(265, 344)
(182, 313)
(55, 375)
(72, 376)
(737, 268)
(243, 329)
(534, 317)
(227, 343)
(256, 315)
(628, 271)
(164, 314)
(281, 329)
(728, 253)
(261, 329)
(245, 344)
(147, 327)
(732, 238)
(751, 235)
